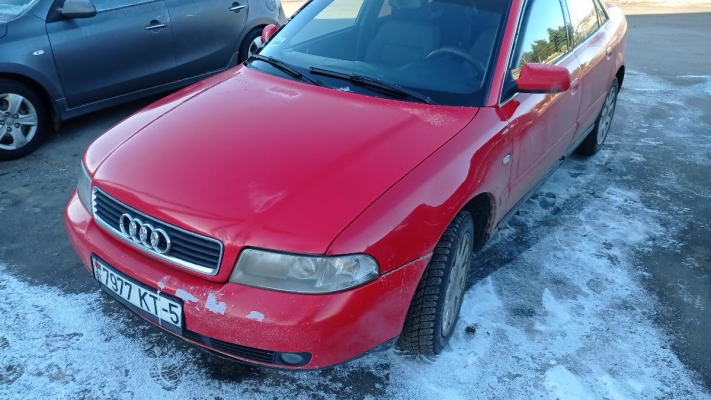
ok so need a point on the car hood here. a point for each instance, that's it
(264, 161)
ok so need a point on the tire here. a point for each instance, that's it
(431, 319)
(596, 138)
(254, 36)
(18, 103)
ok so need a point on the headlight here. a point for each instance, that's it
(303, 274)
(84, 188)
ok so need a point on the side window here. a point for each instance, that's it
(341, 14)
(105, 5)
(602, 15)
(543, 36)
(584, 18)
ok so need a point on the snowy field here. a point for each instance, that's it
(558, 308)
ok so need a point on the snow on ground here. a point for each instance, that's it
(558, 310)
(568, 318)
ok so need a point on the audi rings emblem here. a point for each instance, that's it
(143, 233)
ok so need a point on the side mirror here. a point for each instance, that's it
(78, 9)
(268, 32)
(543, 78)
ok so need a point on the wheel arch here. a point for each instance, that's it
(620, 75)
(259, 22)
(481, 208)
(249, 29)
(37, 87)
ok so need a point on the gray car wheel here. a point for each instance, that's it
(254, 46)
(23, 120)
(251, 43)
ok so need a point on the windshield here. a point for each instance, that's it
(11, 9)
(440, 49)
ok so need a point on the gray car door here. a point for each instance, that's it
(207, 33)
(126, 47)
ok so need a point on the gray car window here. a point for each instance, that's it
(11, 9)
(105, 5)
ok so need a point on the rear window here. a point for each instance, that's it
(11, 9)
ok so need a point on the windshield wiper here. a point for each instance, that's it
(281, 65)
(373, 83)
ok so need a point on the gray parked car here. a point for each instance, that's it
(63, 58)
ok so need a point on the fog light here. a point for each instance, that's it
(292, 359)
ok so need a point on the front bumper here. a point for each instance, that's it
(332, 328)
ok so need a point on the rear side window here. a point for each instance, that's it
(584, 18)
(602, 15)
(543, 36)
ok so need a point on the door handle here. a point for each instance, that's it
(236, 7)
(155, 25)
(609, 52)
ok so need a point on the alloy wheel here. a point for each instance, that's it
(608, 111)
(456, 284)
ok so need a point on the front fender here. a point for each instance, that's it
(47, 79)
(26, 52)
(407, 221)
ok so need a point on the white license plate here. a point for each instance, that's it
(150, 301)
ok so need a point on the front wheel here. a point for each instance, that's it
(435, 307)
(23, 120)
(596, 138)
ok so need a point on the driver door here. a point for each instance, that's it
(207, 33)
(541, 125)
(126, 47)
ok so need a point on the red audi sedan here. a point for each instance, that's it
(325, 198)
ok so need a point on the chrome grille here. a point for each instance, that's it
(187, 249)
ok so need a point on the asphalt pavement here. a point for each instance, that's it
(668, 53)
(672, 43)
